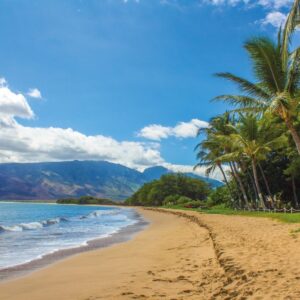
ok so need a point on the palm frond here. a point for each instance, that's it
(256, 110)
(242, 101)
(291, 23)
(266, 58)
(293, 76)
(244, 85)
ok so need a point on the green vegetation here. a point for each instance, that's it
(86, 200)
(256, 145)
(223, 210)
(171, 189)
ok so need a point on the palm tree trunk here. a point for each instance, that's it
(294, 134)
(266, 183)
(260, 196)
(253, 186)
(225, 180)
(295, 192)
(241, 185)
(246, 171)
(223, 173)
(237, 184)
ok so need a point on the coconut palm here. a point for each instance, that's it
(277, 74)
(230, 157)
(253, 140)
(217, 143)
(292, 22)
(209, 154)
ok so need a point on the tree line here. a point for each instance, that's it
(256, 145)
(171, 189)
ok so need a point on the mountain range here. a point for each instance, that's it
(52, 180)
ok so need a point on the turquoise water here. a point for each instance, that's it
(28, 230)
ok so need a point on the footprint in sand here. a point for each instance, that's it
(126, 293)
(150, 273)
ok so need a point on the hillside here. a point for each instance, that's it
(54, 180)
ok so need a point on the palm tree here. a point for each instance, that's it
(253, 140)
(277, 73)
(293, 172)
(230, 157)
(216, 144)
(292, 22)
(209, 156)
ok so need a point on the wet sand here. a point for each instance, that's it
(180, 255)
(124, 234)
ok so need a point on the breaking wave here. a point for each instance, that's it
(31, 225)
(49, 222)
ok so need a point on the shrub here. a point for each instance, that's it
(183, 200)
(218, 196)
(193, 204)
(171, 200)
(86, 200)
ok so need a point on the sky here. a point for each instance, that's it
(128, 81)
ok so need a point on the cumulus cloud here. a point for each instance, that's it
(30, 144)
(199, 171)
(274, 8)
(274, 18)
(20, 143)
(12, 104)
(181, 130)
(275, 3)
(34, 93)
(3, 81)
(189, 129)
(155, 132)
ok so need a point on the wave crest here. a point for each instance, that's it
(31, 225)
(39, 225)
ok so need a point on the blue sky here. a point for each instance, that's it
(110, 68)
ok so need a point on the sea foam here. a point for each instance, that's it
(30, 231)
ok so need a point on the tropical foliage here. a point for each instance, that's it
(170, 189)
(256, 145)
(86, 200)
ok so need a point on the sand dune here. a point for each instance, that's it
(194, 256)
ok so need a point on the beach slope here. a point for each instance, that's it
(181, 255)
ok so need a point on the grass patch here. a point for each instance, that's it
(222, 210)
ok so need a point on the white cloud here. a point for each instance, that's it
(31, 144)
(273, 4)
(12, 104)
(3, 81)
(155, 132)
(34, 93)
(20, 143)
(271, 7)
(274, 18)
(274, 15)
(189, 129)
(199, 171)
(181, 130)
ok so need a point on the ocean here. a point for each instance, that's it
(29, 231)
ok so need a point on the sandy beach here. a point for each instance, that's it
(180, 255)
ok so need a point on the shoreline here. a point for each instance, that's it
(180, 255)
(167, 260)
(122, 235)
